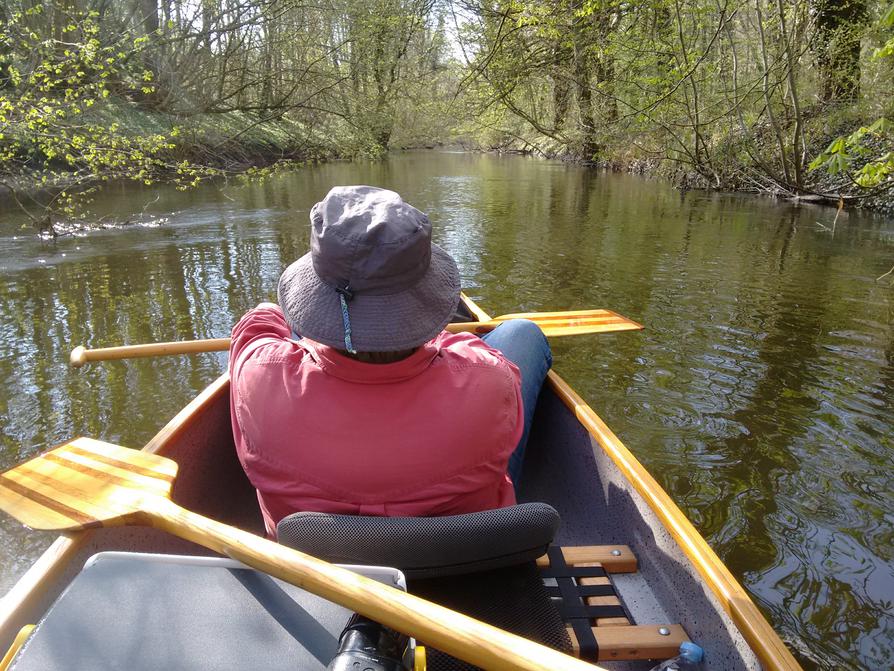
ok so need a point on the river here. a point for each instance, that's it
(760, 395)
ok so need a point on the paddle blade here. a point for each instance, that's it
(569, 326)
(612, 320)
(553, 324)
(84, 483)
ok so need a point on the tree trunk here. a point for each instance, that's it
(4, 52)
(147, 15)
(267, 74)
(605, 77)
(839, 27)
(589, 146)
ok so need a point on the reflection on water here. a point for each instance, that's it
(760, 394)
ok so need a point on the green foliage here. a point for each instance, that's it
(723, 95)
(185, 90)
(51, 128)
(861, 148)
(262, 173)
(867, 154)
(887, 21)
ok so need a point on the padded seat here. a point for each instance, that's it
(426, 547)
(481, 564)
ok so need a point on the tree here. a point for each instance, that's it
(866, 156)
(56, 145)
(839, 28)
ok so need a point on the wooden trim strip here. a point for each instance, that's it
(111, 461)
(754, 627)
(57, 507)
(473, 307)
(17, 643)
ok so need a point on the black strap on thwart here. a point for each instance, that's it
(568, 598)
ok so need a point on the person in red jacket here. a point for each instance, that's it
(349, 397)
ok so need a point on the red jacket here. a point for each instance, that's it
(316, 430)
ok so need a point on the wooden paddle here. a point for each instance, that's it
(577, 322)
(87, 483)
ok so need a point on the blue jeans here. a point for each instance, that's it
(523, 343)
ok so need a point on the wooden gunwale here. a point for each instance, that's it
(754, 627)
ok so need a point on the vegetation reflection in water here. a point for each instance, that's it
(760, 394)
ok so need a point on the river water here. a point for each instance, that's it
(760, 395)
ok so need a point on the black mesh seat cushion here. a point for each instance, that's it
(424, 547)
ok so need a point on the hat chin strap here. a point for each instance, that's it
(344, 295)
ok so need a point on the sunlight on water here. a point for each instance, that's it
(761, 393)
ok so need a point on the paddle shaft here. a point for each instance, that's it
(553, 324)
(456, 634)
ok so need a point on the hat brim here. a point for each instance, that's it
(379, 323)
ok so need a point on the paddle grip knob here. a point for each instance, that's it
(367, 645)
(78, 356)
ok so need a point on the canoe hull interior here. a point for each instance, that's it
(565, 466)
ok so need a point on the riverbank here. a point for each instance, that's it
(234, 143)
(737, 161)
(227, 141)
(185, 150)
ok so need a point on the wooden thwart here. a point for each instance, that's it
(630, 642)
(613, 558)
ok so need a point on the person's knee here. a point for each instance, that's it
(528, 331)
(520, 328)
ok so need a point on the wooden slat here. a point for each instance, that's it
(625, 562)
(635, 642)
(603, 601)
(612, 622)
(135, 461)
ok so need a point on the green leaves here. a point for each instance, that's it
(54, 111)
(887, 20)
(861, 146)
(868, 146)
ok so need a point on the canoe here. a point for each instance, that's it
(657, 579)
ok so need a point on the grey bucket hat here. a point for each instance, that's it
(372, 281)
